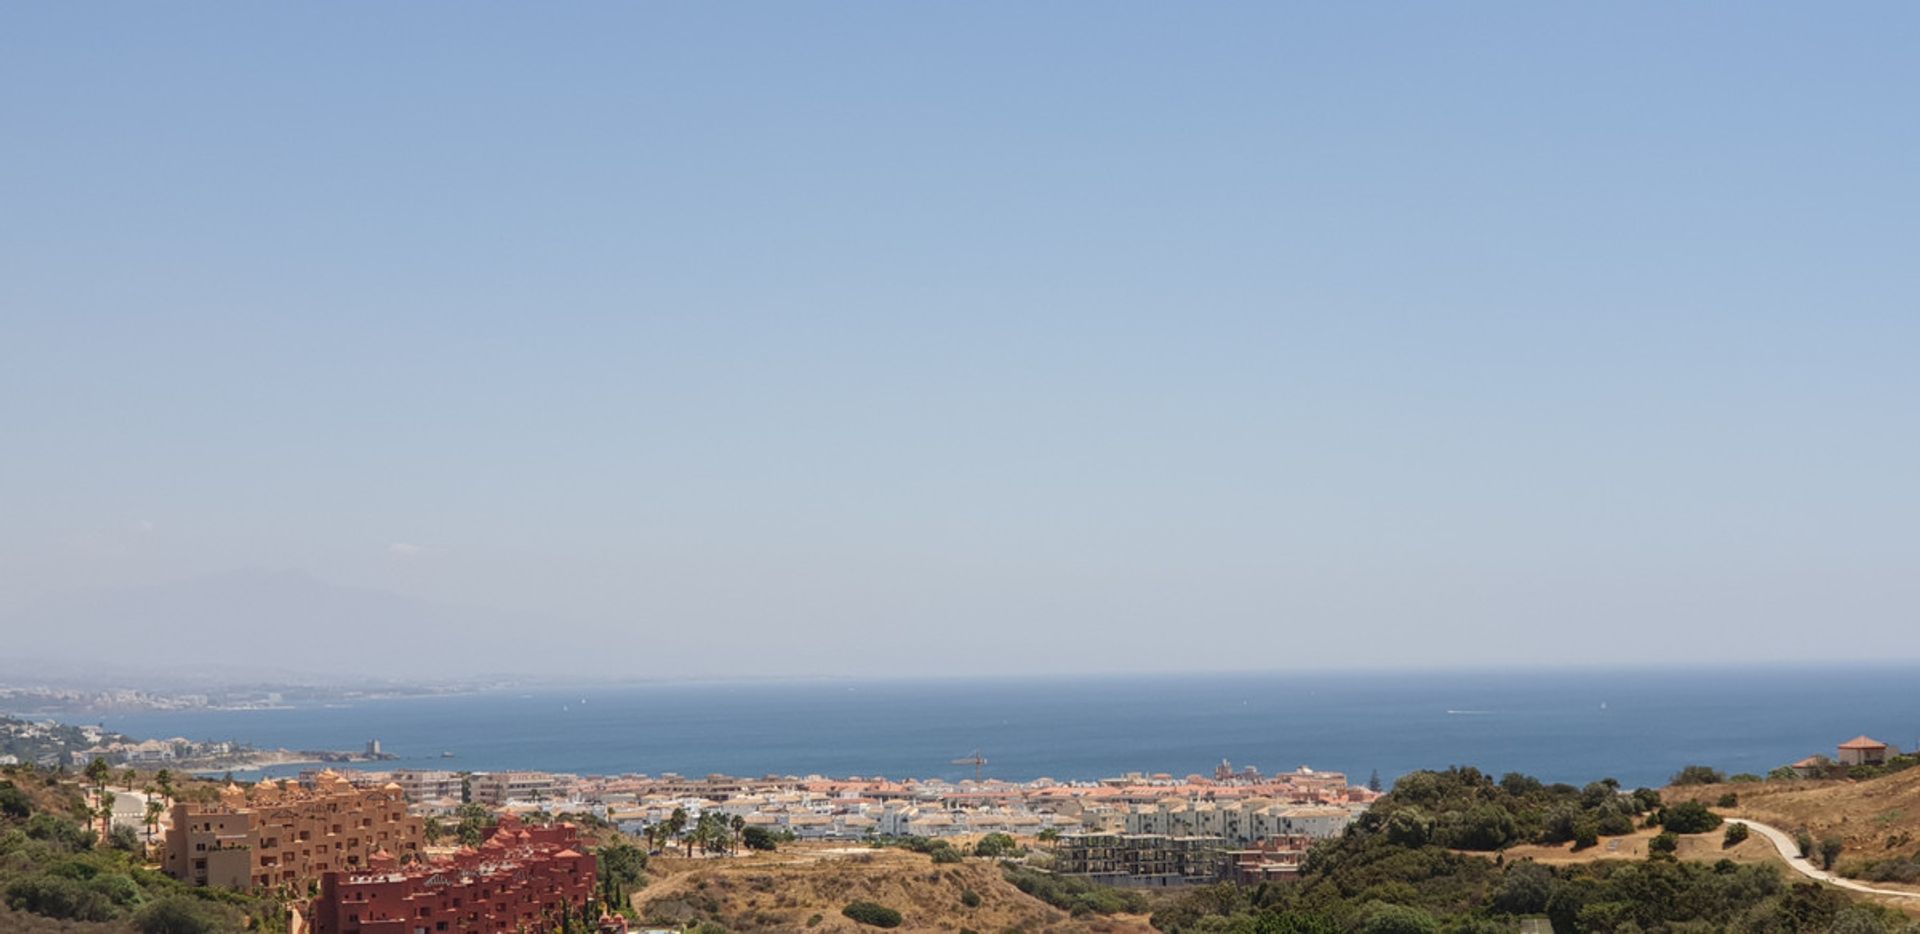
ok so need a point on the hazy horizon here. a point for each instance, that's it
(880, 340)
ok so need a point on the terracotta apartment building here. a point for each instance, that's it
(288, 834)
(521, 879)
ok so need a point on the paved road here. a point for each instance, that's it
(1790, 851)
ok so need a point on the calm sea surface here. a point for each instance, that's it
(1638, 727)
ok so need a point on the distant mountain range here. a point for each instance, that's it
(254, 624)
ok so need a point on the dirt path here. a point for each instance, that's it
(1790, 851)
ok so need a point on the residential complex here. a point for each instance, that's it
(288, 834)
(522, 878)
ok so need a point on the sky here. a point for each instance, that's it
(907, 339)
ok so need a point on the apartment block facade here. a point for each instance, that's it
(521, 879)
(275, 835)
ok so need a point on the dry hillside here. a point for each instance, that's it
(1872, 817)
(783, 891)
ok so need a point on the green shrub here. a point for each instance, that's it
(59, 832)
(1728, 800)
(182, 914)
(14, 803)
(872, 914)
(1689, 817)
(1399, 919)
(1736, 833)
(1666, 843)
(1586, 835)
(759, 838)
(58, 897)
(1698, 775)
(970, 898)
(1830, 851)
(996, 845)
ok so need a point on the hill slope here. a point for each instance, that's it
(783, 891)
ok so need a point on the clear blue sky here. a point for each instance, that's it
(844, 337)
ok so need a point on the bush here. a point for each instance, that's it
(1666, 843)
(1736, 834)
(759, 838)
(1728, 800)
(59, 832)
(1698, 775)
(1399, 919)
(1804, 841)
(996, 845)
(181, 914)
(1586, 835)
(970, 898)
(946, 854)
(870, 913)
(622, 862)
(14, 803)
(1689, 817)
(1829, 851)
(57, 897)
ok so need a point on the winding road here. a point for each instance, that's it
(1790, 851)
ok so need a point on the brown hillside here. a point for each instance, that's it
(782, 891)
(1872, 817)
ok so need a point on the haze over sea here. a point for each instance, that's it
(1573, 726)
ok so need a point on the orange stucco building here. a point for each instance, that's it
(289, 835)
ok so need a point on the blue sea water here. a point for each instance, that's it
(1574, 726)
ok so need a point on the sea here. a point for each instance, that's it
(1636, 726)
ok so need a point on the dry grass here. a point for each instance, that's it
(1873, 818)
(1700, 847)
(782, 891)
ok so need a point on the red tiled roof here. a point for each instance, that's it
(1863, 741)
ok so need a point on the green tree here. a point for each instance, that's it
(14, 803)
(473, 822)
(677, 825)
(1830, 849)
(873, 914)
(996, 845)
(758, 838)
(98, 771)
(182, 914)
(1735, 835)
(1666, 843)
(104, 803)
(1698, 775)
(1689, 817)
(1399, 919)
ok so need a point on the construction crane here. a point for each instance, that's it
(976, 760)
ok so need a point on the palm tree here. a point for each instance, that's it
(154, 810)
(739, 825)
(105, 799)
(98, 772)
(677, 822)
(164, 779)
